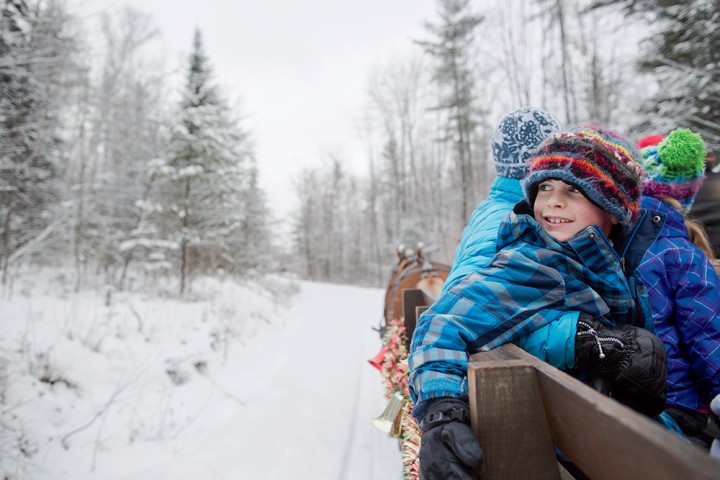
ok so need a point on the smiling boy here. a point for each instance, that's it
(555, 255)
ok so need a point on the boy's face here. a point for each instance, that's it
(562, 210)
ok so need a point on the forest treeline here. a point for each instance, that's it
(101, 170)
(637, 66)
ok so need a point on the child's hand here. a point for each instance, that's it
(449, 448)
(641, 380)
(631, 359)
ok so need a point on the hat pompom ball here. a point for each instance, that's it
(683, 153)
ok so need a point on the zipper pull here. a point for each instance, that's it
(597, 340)
(595, 335)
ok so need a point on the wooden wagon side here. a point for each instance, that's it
(523, 410)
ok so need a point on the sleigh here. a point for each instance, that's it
(527, 414)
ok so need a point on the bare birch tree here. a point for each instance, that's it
(120, 132)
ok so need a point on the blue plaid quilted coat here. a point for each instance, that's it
(532, 281)
(684, 300)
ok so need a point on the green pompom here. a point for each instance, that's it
(683, 154)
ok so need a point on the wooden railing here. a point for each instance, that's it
(524, 410)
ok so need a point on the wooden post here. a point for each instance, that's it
(508, 417)
(415, 302)
(412, 298)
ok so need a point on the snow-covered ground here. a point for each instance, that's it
(241, 382)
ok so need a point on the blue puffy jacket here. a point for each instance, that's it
(478, 242)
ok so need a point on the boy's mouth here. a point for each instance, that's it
(556, 220)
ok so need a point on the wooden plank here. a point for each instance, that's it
(412, 299)
(409, 330)
(604, 438)
(508, 418)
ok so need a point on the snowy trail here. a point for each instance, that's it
(308, 396)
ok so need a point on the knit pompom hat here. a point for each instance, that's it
(675, 167)
(599, 162)
(516, 138)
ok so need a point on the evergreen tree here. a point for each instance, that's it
(685, 59)
(13, 17)
(35, 52)
(453, 71)
(682, 52)
(204, 182)
(251, 243)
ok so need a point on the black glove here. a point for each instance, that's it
(631, 359)
(449, 449)
(700, 428)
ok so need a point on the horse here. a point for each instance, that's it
(412, 271)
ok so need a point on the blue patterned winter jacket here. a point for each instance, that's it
(679, 292)
(478, 246)
(684, 301)
(532, 281)
(555, 342)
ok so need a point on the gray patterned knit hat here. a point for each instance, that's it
(516, 138)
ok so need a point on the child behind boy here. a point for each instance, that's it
(515, 139)
(583, 189)
(682, 284)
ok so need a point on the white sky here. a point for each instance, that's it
(299, 68)
(290, 395)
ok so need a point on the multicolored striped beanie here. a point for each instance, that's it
(516, 138)
(675, 167)
(599, 162)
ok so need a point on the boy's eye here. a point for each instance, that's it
(544, 187)
(573, 189)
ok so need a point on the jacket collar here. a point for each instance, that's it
(589, 246)
(674, 223)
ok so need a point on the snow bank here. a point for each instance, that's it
(244, 381)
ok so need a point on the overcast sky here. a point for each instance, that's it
(298, 68)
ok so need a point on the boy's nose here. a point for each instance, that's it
(557, 199)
